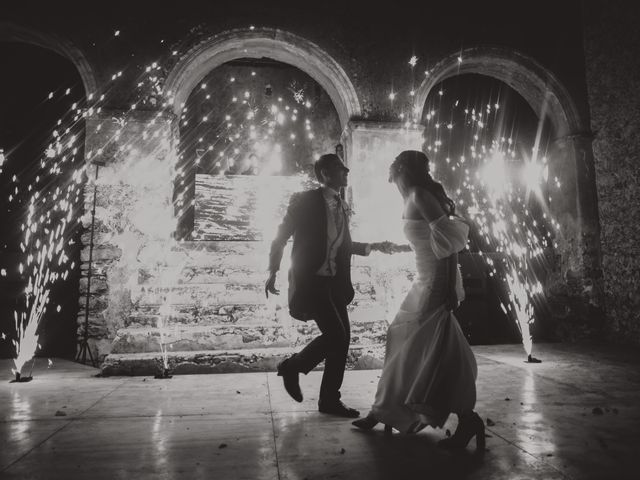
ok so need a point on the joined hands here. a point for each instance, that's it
(389, 247)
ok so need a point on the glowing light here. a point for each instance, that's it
(413, 61)
(533, 173)
(494, 174)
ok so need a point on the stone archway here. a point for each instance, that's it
(275, 44)
(578, 280)
(247, 43)
(10, 32)
(537, 85)
(40, 62)
(216, 297)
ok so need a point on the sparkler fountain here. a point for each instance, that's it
(492, 178)
(47, 230)
(164, 313)
(495, 194)
(134, 215)
(136, 210)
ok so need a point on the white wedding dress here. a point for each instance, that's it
(429, 369)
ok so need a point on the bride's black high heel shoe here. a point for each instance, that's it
(370, 421)
(468, 427)
(366, 423)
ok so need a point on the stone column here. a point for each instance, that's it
(381, 281)
(370, 147)
(134, 153)
(575, 289)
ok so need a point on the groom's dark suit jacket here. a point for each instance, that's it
(306, 220)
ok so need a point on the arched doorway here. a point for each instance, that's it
(251, 46)
(274, 44)
(10, 32)
(489, 150)
(32, 110)
(213, 299)
(537, 85)
(249, 133)
(569, 154)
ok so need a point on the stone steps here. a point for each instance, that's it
(195, 337)
(210, 299)
(199, 337)
(204, 272)
(219, 293)
(360, 311)
(360, 357)
(149, 315)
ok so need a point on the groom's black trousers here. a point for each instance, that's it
(332, 345)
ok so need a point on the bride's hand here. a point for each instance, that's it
(389, 247)
(384, 247)
(451, 302)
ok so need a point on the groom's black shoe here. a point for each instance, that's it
(290, 378)
(338, 408)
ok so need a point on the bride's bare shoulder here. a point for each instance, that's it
(426, 203)
(422, 197)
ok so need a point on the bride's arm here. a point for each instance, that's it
(452, 271)
(431, 210)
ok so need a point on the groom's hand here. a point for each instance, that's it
(389, 247)
(384, 247)
(270, 285)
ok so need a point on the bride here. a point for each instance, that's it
(429, 369)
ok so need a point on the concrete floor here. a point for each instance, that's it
(545, 423)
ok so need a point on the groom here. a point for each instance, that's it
(319, 281)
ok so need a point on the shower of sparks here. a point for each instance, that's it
(246, 139)
(494, 185)
(254, 136)
(51, 218)
(54, 206)
(496, 200)
(249, 138)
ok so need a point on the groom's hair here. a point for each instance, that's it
(323, 163)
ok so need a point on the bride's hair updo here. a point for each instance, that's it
(416, 166)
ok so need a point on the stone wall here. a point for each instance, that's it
(612, 43)
(134, 155)
(205, 305)
(203, 301)
(372, 48)
(373, 45)
(370, 148)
